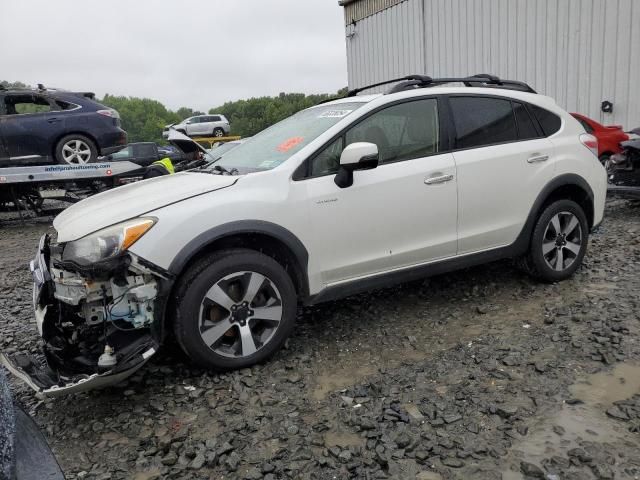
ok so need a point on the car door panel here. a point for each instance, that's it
(503, 161)
(497, 185)
(402, 213)
(389, 218)
(4, 153)
(29, 136)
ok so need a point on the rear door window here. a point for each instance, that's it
(549, 122)
(481, 121)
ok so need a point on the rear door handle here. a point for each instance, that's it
(438, 179)
(538, 158)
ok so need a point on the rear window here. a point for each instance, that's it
(483, 121)
(549, 122)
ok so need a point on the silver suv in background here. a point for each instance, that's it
(214, 125)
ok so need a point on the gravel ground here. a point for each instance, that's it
(481, 374)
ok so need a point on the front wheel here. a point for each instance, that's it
(559, 242)
(218, 132)
(234, 309)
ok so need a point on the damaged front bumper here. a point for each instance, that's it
(99, 324)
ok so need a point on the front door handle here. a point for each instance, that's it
(438, 179)
(538, 158)
(53, 120)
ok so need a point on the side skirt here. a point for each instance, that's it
(389, 279)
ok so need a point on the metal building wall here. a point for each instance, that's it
(579, 52)
(386, 45)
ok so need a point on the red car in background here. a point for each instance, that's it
(609, 137)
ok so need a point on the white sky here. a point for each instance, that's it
(192, 53)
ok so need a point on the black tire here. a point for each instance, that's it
(92, 152)
(207, 273)
(535, 262)
(218, 132)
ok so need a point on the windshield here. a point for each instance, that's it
(278, 143)
(217, 152)
(124, 153)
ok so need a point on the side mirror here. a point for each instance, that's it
(109, 158)
(357, 156)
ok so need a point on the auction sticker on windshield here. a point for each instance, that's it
(289, 144)
(335, 113)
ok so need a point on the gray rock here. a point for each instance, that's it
(198, 462)
(617, 413)
(170, 459)
(531, 471)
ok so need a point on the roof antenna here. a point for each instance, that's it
(41, 87)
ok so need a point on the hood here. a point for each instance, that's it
(129, 201)
(184, 143)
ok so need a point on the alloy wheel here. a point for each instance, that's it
(218, 133)
(240, 314)
(562, 241)
(76, 152)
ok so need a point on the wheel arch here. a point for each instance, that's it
(73, 132)
(265, 237)
(566, 186)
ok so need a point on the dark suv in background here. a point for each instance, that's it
(46, 126)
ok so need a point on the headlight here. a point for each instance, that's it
(107, 243)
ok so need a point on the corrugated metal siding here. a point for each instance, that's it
(580, 52)
(359, 9)
(386, 45)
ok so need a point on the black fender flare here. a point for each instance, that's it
(522, 242)
(206, 238)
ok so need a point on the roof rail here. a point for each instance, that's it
(423, 81)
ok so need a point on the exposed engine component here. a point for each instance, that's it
(129, 299)
(107, 359)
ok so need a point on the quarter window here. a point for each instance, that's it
(549, 122)
(483, 121)
(526, 128)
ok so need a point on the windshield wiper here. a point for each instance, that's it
(223, 171)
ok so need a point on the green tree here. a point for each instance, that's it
(248, 117)
(144, 118)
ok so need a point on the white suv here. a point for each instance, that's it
(215, 125)
(350, 195)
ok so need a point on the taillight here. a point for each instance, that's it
(590, 142)
(109, 113)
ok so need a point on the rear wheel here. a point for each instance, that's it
(559, 242)
(234, 309)
(76, 150)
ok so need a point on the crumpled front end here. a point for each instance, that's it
(99, 323)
